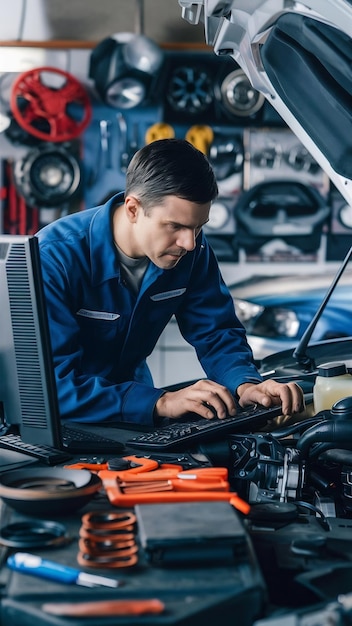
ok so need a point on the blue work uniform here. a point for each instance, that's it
(102, 332)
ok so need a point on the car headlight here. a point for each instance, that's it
(247, 311)
(267, 322)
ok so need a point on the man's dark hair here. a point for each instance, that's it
(170, 167)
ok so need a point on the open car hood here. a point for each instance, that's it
(299, 56)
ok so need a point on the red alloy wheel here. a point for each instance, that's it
(48, 112)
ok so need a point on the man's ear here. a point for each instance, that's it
(132, 207)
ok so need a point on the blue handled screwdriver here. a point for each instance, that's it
(36, 566)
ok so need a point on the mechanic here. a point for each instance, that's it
(115, 274)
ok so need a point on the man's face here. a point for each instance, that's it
(169, 231)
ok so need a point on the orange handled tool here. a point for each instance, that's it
(105, 607)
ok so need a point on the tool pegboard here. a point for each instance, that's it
(192, 94)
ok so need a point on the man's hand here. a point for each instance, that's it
(206, 398)
(209, 399)
(270, 392)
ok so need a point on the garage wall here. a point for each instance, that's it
(85, 20)
(268, 150)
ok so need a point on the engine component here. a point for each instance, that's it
(286, 209)
(238, 95)
(189, 89)
(123, 68)
(48, 176)
(271, 470)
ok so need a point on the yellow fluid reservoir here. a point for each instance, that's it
(332, 383)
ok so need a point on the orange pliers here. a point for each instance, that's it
(175, 479)
(146, 481)
(147, 475)
(134, 464)
(170, 484)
